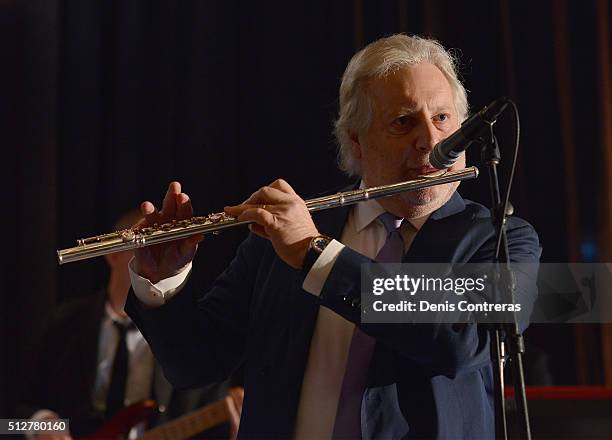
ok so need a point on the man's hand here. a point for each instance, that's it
(167, 259)
(280, 216)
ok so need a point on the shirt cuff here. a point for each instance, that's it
(155, 295)
(318, 273)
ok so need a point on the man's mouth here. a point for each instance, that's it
(425, 170)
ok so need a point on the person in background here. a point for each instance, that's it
(93, 362)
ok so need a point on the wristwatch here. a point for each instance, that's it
(315, 248)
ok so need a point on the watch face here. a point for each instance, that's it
(320, 243)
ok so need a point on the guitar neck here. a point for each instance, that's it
(190, 424)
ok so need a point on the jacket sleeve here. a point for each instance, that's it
(440, 348)
(201, 341)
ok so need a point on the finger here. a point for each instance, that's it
(150, 213)
(184, 209)
(147, 208)
(260, 216)
(253, 198)
(170, 200)
(267, 195)
(282, 185)
(236, 211)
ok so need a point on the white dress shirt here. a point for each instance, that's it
(140, 366)
(140, 362)
(331, 340)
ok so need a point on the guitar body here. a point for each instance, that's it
(226, 410)
(125, 419)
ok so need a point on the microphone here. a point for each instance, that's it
(446, 152)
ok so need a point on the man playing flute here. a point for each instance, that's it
(288, 304)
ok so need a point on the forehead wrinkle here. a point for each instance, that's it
(438, 102)
(393, 100)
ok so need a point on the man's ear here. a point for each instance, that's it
(355, 145)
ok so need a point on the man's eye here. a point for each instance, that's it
(402, 124)
(402, 121)
(443, 117)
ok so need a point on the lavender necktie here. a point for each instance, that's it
(348, 416)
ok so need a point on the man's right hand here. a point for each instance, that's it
(166, 259)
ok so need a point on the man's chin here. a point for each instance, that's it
(416, 204)
(423, 202)
(420, 198)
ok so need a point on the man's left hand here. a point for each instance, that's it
(280, 216)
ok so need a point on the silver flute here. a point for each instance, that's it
(138, 237)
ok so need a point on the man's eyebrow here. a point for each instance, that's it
(442, 107)
(410, 108)
(407, 108)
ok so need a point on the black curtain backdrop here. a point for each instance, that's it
(103, 103)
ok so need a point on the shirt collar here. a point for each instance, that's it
(366, 212)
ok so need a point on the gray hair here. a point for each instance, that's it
(378, 60)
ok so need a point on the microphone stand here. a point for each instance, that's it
(504, 284)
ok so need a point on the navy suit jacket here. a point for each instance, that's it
(424, 381)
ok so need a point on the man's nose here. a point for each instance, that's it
(427, 136)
